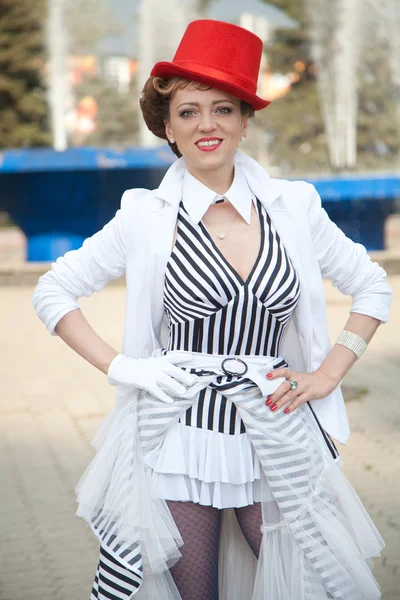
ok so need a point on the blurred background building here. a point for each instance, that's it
(334, 66)
(72, 72)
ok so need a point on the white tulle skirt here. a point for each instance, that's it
(318, 540)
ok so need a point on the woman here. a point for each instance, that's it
(227, 388)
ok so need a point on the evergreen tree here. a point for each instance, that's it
(295, 121)
(23, 105)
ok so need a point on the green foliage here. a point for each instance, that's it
(295, 121)
(23, 106)
(299, 140)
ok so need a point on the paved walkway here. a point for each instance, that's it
(53, 402)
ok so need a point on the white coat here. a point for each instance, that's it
(139, 239)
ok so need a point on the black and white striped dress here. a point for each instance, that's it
(207, 457)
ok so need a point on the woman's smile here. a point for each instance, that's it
(209, 144)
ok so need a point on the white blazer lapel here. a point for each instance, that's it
(163, 222)
(162, 228)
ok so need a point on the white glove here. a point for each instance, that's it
(151, 374)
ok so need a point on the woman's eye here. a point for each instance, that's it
(225, 110)
(186, 113)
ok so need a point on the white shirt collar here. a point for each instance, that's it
(197, 197)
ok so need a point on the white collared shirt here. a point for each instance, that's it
(197, 197)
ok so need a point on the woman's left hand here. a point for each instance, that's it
(310, 386)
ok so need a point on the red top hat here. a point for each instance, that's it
(219, 54)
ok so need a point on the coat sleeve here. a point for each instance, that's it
(348, 264)
(101, 258)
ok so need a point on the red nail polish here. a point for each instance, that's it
(286, 410)
(269, 375)
(274, 407)
(268, 402)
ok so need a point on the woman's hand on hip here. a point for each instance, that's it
(310, 386)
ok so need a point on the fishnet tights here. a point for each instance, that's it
(196, 573)
(250, 521)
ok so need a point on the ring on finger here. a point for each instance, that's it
(293, 384)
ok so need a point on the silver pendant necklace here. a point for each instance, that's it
(221, 236)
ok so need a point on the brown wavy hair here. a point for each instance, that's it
(155, 98)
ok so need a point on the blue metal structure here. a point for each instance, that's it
(59, 199)
(360, 204)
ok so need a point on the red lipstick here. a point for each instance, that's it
(209, 144)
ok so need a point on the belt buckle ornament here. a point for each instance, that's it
(229, 368)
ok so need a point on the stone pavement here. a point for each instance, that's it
(52, 402)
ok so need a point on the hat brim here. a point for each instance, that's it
(167, 69)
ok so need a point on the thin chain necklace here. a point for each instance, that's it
(221, 236)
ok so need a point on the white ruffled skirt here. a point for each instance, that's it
(206, 467)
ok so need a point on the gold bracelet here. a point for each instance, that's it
(352, 341)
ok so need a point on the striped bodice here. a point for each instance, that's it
(212, 309)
